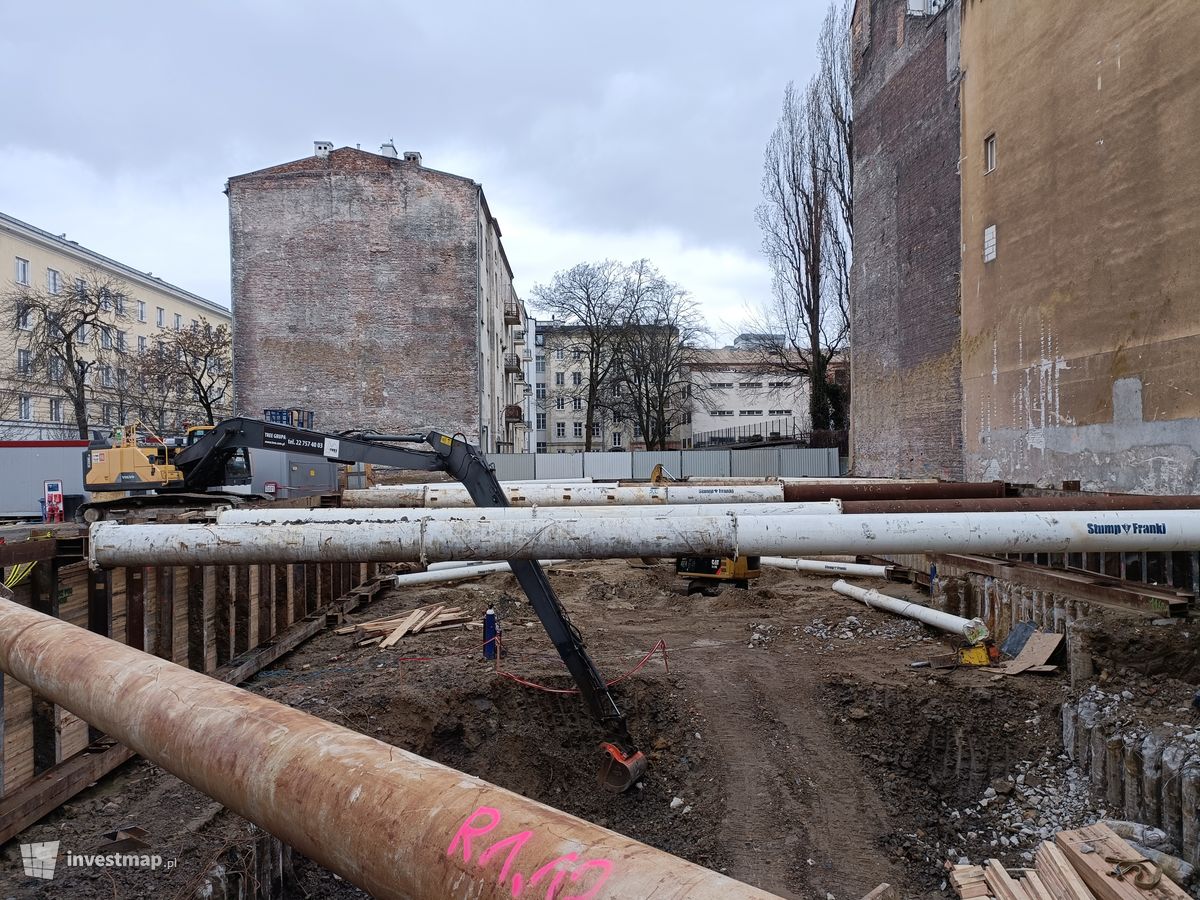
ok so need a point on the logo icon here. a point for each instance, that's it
(39, 859)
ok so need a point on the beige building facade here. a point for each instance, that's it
(32, 406)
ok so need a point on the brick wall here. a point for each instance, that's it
(906, 413)
(355, 293)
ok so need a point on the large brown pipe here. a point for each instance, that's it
(891, 490)
(389, 821)
(1066, 503)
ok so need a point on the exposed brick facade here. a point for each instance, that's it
(906, 412)
(371, 290)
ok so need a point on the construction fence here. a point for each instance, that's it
(790, 462)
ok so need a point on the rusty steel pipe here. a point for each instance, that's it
(389, 821)
(794, 492)
(1024, 504)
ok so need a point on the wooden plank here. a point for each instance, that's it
(1059, 875)
(883, 892)
(118, 602)
(245, 610)
(195, 618)
(135, 608)
(426, 620)
(1096, 872)
(403, 628)
(217, 582)
(1001, 883)
(1034, 887)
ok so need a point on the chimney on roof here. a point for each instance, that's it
(389, 150)
(412, 156)
(321, 149)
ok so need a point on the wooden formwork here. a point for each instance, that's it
(227, 621)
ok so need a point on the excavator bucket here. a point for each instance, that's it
(619, 771)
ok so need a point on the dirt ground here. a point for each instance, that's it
(807, 755)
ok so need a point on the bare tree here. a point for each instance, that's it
(654, 353)
(806, 219)
(588, 298)
(195, 365)
(71, 336)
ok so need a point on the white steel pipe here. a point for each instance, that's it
(453, 564)
(506, 482)
(972, 630)
(825, 566)
(451, 495)
(394, 824)
(427, 540)
(458, 573)
(269, 516)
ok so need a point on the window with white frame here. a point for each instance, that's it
(57, 368)
(577, 354)
(106, 340)
(141, 343)
(720, 412)
(106, 376)
(22, 274)
(989, 153)
(637, 431)
(53, 281)
(541, 446)
(56, 409)
(596, 429)
(577, 403)
(989, 243)
(560, 429)
(577, 429)
(541, 421)
(119, 303)
(540, 391)
(752, 385)
(80, 289)
(750, 412)
(577, 378)
(141, 310)
(780, 412)
(160, 317)
(25, 407)
(178, 321)
(560, 402)
(121, 340)
(722, 384)
(25, 318)
(560, 378)
(559, 353)
(107, 413)
(617, 438)
(777, 384)
(81, 334)
(24, 362)
(539, 364)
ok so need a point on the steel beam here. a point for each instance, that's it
(392, 823)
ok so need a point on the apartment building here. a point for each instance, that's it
(33, 405)
(376, 291)
(735, 400)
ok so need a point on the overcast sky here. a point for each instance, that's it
(600, 130)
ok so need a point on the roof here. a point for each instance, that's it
(60, 243)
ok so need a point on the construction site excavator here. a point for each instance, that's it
(206, 461)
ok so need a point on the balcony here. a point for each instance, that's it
(514, 415)
(512, 313)
(512, 362)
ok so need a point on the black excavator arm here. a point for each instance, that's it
(203, 466)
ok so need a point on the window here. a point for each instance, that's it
(195, 323)
(560, 403)
(577, 354)
(122, 378)
(541, 421)
(81, 334)
(160, 317)
(595, 429)
(577, 429)
(105, 299)
(989, 153)
(24, 362)
(539, 340)
(752, 385)
(121, 341)
(25, 319)
(57, 367)
(617, 437)
(53, 281)
(540, 391)
(722, 384)
(141, 310)
(989, 243)
(178, 321)
(577, 403)
(141, 343)
(106, 340)
(720, 412)
(541, 446)
(637, 431)
(777, 384)
(750, 412)
(22, 276)
(80, 290)
(560, 429)
(577, 378)
(779, 412)
(540, 364)
(558, 353)
(106, 376)
(107, 413)
(119, 302)
(25, 407)
(56, 409)
(560, 379)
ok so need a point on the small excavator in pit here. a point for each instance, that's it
(212, 455)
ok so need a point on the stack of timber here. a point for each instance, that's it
(1091, 863)
(389, 631)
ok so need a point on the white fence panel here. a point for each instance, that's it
(761, 461)
(699, 463)
(558, 465)
(815, 462)
(644, 462)
(605, 466)
(513, 466)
